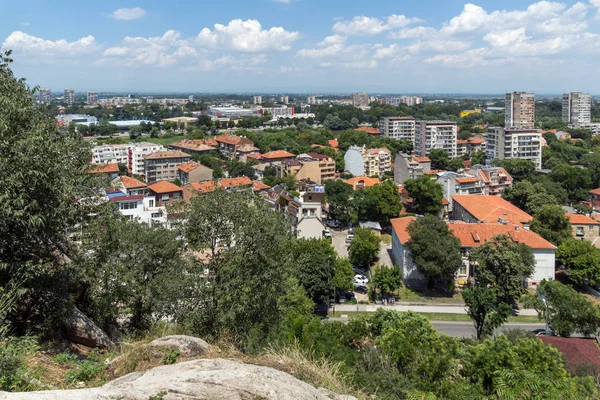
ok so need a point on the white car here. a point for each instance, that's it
(360, 280)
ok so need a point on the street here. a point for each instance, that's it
(404, 307)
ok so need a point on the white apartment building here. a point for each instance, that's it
(69, 97)
(92, 97)
(436, 135)
(577, 108)
(592, 126)
(311, 99)
(519, 110)
(360, 100)
(521, 143)
(399, 128)
(411, 100)
(257, 99)
(130, 154)
(360, 161)
(285, 99)
(140, 208)
(44, 96)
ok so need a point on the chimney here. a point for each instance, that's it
(517, 228)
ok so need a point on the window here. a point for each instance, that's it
(151, 203)
(128, 206)
(156, 215)
(129, 217)
(591, 228)
(165, 197)
(580, 231)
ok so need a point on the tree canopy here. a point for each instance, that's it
(426, 193)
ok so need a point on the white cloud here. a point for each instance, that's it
(282, 1)
(246, 36)
(159, 51)
(25, 24)
(468, 59)
(22, 42)
(369, 26)
(128, 14)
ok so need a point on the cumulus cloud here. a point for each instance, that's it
(159, 51)
(282, 1)
(128, 14)
(369, 26)
(246, 36)
(22, 42)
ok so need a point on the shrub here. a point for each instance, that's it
(85, 371)
(65, 358)
(171, 355)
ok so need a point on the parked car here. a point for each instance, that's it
(333, 223)
(360, 280)
(351, 230)
(326, 233)
(349, 238)
(361, 289)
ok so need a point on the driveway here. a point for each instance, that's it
(339, 242)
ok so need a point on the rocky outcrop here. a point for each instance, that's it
(80, 329)
(209, 379)
(188, 345)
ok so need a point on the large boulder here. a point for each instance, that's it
(80, 329)
(188, 345)
(208, 379)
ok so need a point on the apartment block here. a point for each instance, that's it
(284, 99)
(577, 108)
(92, 98)
(361, 161)
(360, 100)
(521, 143)
(44, 96)
(408, 166)
(399, 128)
(69, 97)
(228, 144)
(314, 166)
(519, 110)
(162, 165)
(495, 179)
(193, 172)
(311, 99)
(131, 154)
(469, 146)
(436, 135)
(257, 99)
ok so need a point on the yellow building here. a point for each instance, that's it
(469, 112)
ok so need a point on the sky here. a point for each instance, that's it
(305, 46)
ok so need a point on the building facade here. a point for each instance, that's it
(519, 110)
(69, 97)
(360, 100)
(521, 143)
(361, 161)
(399, 128)
(228, 144)
(257, 99)
(92, 98)
(436, 135)
(408, 166)
(162, 165)
(577, 108)
(469, 146)
(495, 179)
(45, 96)
(584, 227)
(193, 172)
(314, 166)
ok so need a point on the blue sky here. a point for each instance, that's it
(393, 46)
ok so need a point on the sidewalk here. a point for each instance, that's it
(442, 309)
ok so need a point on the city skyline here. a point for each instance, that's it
(284, 46)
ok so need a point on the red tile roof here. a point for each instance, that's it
(131, 183)
(135, 197)
(490, 208)
(595, 191)
(421, 159)
(254, 156)
(475, 235)
(362, 180)
(257, 186)
(370, 131)
(190, 166)
(204, 187)
(461, 142)
(164, 187)
(333, 143)
(193, 145)
(277, 154)
(580, 219)
(400, 226)
(467, 180)
(111, 168)
(233, 139)
(378, 150)
(318, 156)
(167, 154)
(475, 140)
(235, 182)
(577, 351)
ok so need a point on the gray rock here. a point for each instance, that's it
(188, 345)
(208, 379)
(80, 329)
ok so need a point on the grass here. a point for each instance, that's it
(525, 319)
(386, 239)
(414, 296)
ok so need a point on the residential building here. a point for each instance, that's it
(137, 153)
(131, 155)
(370, 162)
(257, 99)
(311, 100)
(519, 110)
(472, 235)
(436, 135)
(408, 166)
(285, 99)
(469, 146)
(230, 112)
(360, 100)
(162, 165)
(495, 179)
(139, 207)
(592, 126)
(361, 182)
(192, 147)
(130, 186)
(110, 169)
(228, 144)
(92, 98)
(595, 198)
(45, 96)
(454, 183)
(277, 155)
(521, 143)
(314, 166)
(245, 150)
(69, 97)
(276, 112)
(411, 100)
(399, 128)
(487, 209)
(304, 211)
(584, 227)
(165, 193)
(577, 108)
(192, 171)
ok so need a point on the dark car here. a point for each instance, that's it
(361, 289)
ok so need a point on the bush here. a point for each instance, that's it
(15, 375)
(171, 355)
(65, 358)
(85, 371)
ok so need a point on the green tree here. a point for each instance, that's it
(364, 248)
(377, 203)
(568, 310)
(343, 274)
(426, 193)
(439, 159)
(434, 249)
(204, 120)
(551, 223)
(517, 168)
(43, 185)
(388, 280)
(478, 157)
(338, 197)
(500, 265)
(315, 262)
(582, 260)
(577, 181)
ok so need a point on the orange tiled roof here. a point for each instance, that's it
(595, 191)
(204, 187)
(400, 225)
(467, 180)
(233, 139)
(490, 208)
(434, 171)
(190, 166)
(130, 183)
(370, 131)
(257, 186)
(580, 219)
(111, 168)
(278, 154)
(164, 187)
(254, 156)
(378, 150)
(210, 142)
(333, 143)
(461, 142)
(475, 140)
(235, 182)
(194, 145)
(475, 235)
(421, 159)
(167, 154)
(364, 180)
